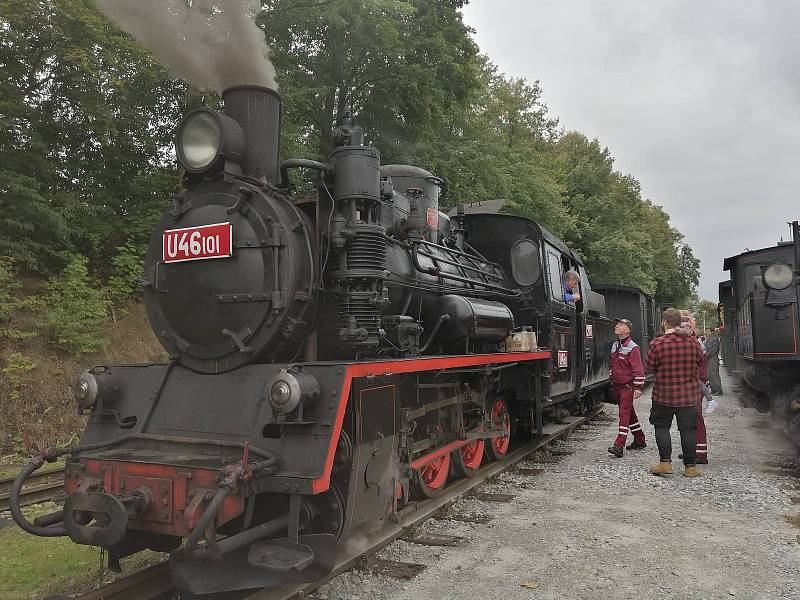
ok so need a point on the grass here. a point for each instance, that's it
(46, 410)
(11, 470)
(33, 567)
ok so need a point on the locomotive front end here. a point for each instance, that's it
(230, 438)
(764, 299)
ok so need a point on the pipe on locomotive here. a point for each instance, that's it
(52, 525)
(302, 163)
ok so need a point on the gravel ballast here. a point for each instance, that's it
(592, 526)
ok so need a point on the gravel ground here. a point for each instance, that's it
(592, 526)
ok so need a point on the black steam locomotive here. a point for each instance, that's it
(759, 310)
(331, 359)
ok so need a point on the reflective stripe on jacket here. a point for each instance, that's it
(626, 364)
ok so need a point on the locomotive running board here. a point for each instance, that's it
(235, 572)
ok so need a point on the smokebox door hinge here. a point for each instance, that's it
(279, 299)
(268, 242)
(243, 297)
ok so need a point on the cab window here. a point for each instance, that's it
(554, 266)
(525, 265)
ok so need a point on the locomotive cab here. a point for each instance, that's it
(579, 335)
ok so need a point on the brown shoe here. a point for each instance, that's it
(691, 471)
(662, 468)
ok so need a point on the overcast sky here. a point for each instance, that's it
(698, 99)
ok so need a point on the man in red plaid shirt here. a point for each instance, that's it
(676, 362)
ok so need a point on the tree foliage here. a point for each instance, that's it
(126, 272)
(705, 313)
(400, 66)
(87, 117)
(78, 308)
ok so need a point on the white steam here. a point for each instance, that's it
(213, 44)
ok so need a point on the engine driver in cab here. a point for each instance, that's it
(571, 286)
(627, 377)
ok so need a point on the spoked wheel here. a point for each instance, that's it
(467, 459)
(430, 478)
(497, 447)
(326, 512)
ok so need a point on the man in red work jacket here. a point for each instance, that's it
(627, 377)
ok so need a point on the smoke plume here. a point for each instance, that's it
(213, 44)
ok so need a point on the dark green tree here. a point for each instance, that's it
(86, 119)
(399, 66)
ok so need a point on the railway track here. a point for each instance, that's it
(39, 487)
(148, 583)
(421, 511)
(154, 582)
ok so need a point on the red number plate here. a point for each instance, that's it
(198, 243)
(432, 216)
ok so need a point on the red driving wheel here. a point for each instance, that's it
(467, 459)
(431, 477)
(497, 447)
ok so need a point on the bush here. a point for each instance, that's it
(13, 303)
(16, 371)
(10, 288)
(127, 270)
(77, 309)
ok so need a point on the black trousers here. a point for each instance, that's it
(661, 418)
(713, 375)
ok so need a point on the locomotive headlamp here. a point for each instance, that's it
(281, 395)
(286, 389)
(85, 390)
(778, 276)
(205, 136)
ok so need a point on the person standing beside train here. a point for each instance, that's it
(688, 328)
(627, 377)
(712, 350)
(676, 362)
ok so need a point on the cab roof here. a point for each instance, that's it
(729, 262)
(495, 207)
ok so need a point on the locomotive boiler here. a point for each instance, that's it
(331, 358)
(759, 309)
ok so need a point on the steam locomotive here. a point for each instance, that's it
(331, 358)
(759, 310)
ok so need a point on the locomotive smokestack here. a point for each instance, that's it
(258, 110)
(796, 244)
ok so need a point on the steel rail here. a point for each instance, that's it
(147, 583)
(39, 487)
(421, 511)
